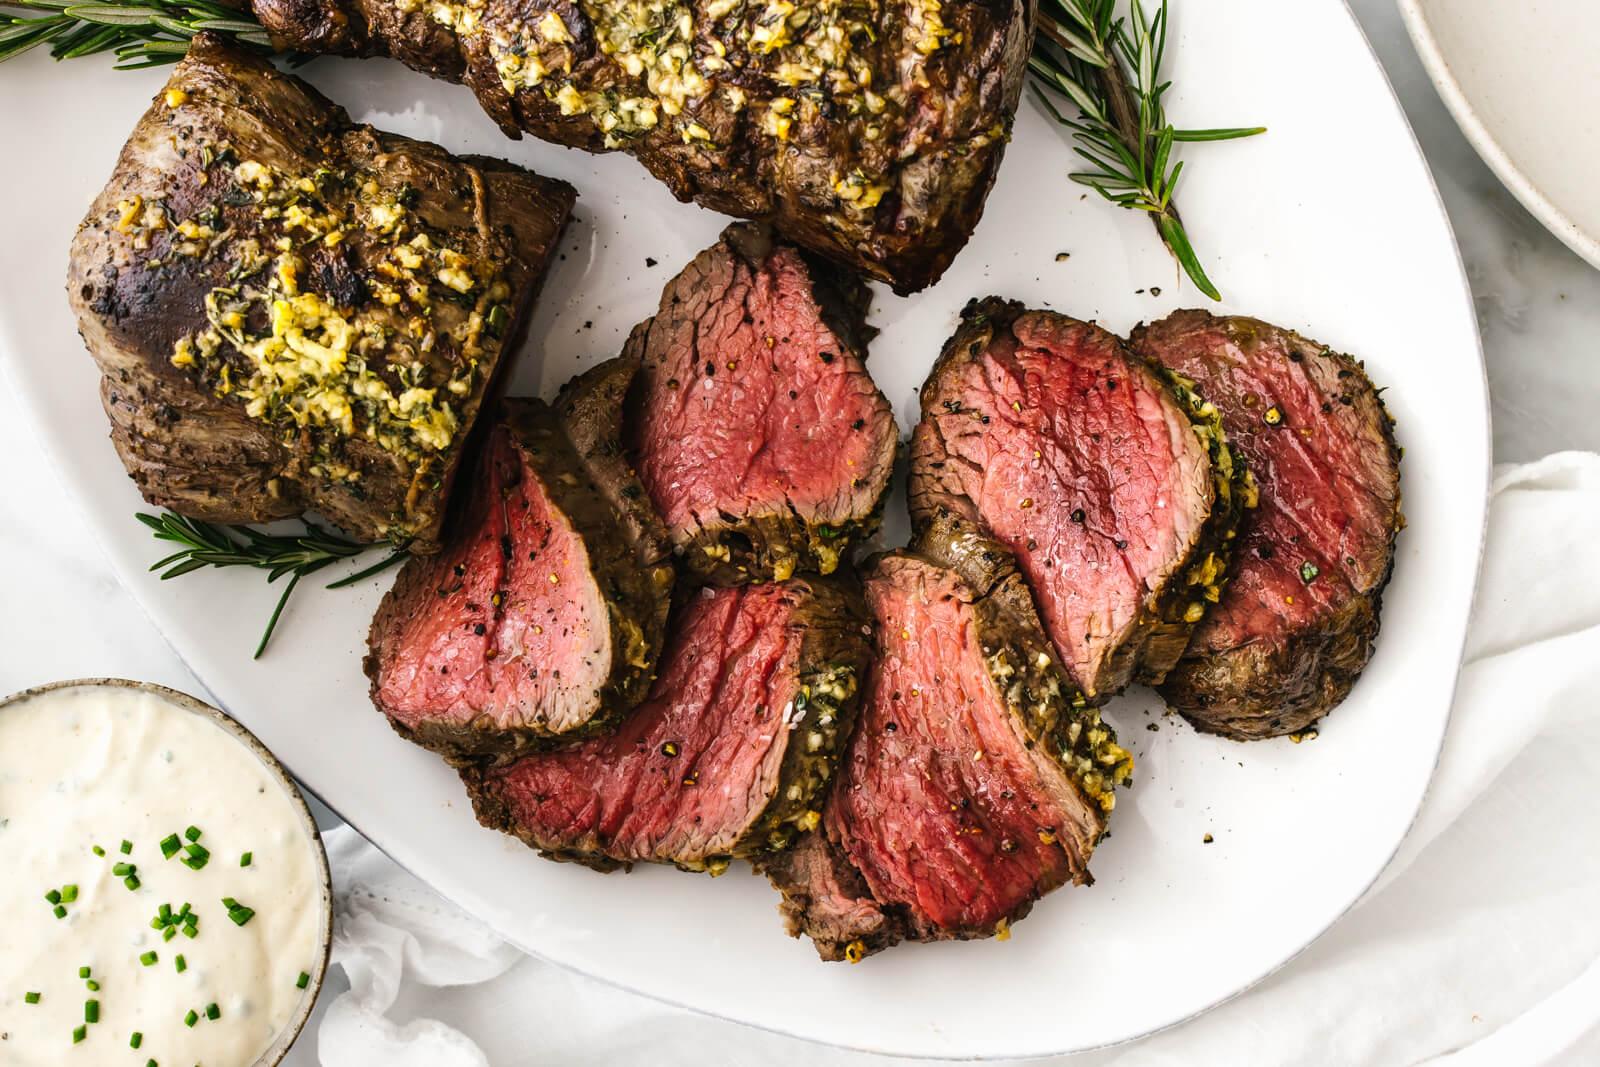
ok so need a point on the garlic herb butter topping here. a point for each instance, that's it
(358, 353)
(125, 820)
(690, 67)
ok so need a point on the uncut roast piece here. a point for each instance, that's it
(292, 312)
(1297, 622)
(542, 618)
(726, 758)
(868, 132)
(977, 779)
(1110, 479)
(757, 432)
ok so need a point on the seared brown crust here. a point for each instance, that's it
(836, 638)
(184, 434)
(1165, 619)
(1283, 676)
(945, 81)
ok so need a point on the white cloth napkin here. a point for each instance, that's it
(1478, 946)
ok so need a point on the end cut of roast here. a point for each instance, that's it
(292, 312)
(726, 758)
(1297, 621)
(759, 436)
(867, 132)
(978, 778)
(542, 618)
(1111, 482)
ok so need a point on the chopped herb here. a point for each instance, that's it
(83, 972)
(237, 912)
(165, 913)
(132, 882)
(98, 851)
(148, 958)
(180, 963)
(69, 893)
(91, 1011)
(53, 896)
(136, 1040)
(196, 856)
(192, 833)
(299, 983)
(122, 869)
(1309, 572)
(191, 1018)
(244, 860)
(169, 933)
(170, 845)
(92, 986)
(79, 1034)
(61, 913)
(212, 1011)
(33, 998)
(126, 847)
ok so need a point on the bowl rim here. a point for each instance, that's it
(1420, 29)
(274, 1053)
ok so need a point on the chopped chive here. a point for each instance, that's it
(241, 915)
(229, 903)
(212, 1011)
(148, 958)
(31, 998)
(196, 856)
(184, 911)
(189, 932)
(170, 845)
(180, 964)
(136, 1040)
(244, 860)
(53, 897)
(121, 869)
(79, 1034)
(157, 924)
(132, 882)
(91, 1011)
(151, 1063)
(92, 986)
(126, 847)
(83, 972)
(98, 851)
(192, 833)
(300, 983)
(61, 913)
(169, 933)
(69, 893)
(165, 911)
(191, 1018)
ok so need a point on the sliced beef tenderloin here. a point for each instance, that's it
(1111, 481)
(978, 778)
(757, 431)
(1297, 621)
(729, 755)
(542, 619)
(292, 312)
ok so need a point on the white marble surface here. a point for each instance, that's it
(63, 615)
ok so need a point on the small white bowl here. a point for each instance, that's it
(274, 1053)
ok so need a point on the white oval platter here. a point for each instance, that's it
(1329, 224)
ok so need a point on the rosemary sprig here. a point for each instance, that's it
(146, 33)
(208, 544)
(1110, 68)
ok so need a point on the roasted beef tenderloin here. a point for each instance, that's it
(542, 619)
(977, 779)
(760, 437)
(1298, 618)
(868, 132)
(1109, 479)
(729, 755)
(292, 312)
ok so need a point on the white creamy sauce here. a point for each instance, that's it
(96, 766)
